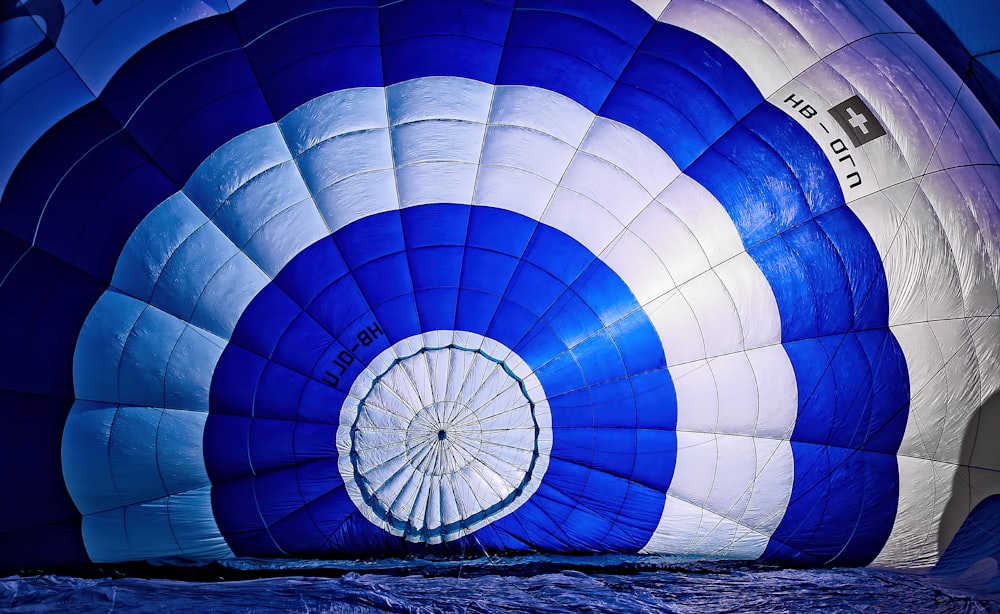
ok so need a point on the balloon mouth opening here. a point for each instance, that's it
(442, 435)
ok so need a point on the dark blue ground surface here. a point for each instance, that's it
(566, 584)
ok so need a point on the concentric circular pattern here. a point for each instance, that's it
(430, 462)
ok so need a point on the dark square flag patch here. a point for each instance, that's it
(856, 118)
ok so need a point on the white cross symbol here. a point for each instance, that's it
(856, 121)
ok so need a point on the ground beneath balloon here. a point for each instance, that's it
(537, 585)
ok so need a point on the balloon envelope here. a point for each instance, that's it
(361, 279)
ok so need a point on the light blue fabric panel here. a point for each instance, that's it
(132, 454)
(85, 456)
(258, 200)
(143, 367)
(100, 346)
(438, 98)
(333, 114)
(189, 371)
(233, 165)
(181, 466)
(161, 233)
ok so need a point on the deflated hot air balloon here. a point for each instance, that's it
(362, 279)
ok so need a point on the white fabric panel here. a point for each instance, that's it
(137, 532)
(358, 196)
(653, 7)
(541, 110)
(334, 114)
(648, 275)
(514, 190)
(677, 325)
(615, 190)
(717, 317)
(721, 481)
(156, 359)
(436, 182)
(345, 155)
(524, 148)
(437, 140)
(176, 258)
(697, 531)
(438, 98)
(584, 220)
(771, 51)
(626, 148)
(705, 218)
(180, 465)
(233, 165)
(756, 307)
(745, 393)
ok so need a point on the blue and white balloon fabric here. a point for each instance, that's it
(371, 279)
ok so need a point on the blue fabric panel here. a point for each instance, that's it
(398, 317)
(234, 382)
(43, 304)
(510, 324)
(44, 165)
(206, 105)
(828, 281)
(533, 288)
(540, 344)
(254, 19)
(614, 405)
(572, 319)
(637, 339)
(842, 507)
(599, 358)
(569, 54)
(384, 278)
(869, 293)
(435, 267)
(809, 174)
(327, 52)
(276, 311)
(487, 271)
(320, 403)
(277, 394)
(302, 344)
(443, 37)
(499, 230)
(316, 440)
(96, 205)
(560, 374)
(890, 394)
(475, 308)
(437, 308)
(227, 447)
(341, 302)
(604, 292)
(653, 450)
(792, 288)
(236, 513)
(434, 225)
(299, 280)
(48, 531)
(370, 238)
(153, 66)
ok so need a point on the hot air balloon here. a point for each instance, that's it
(365, 279)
